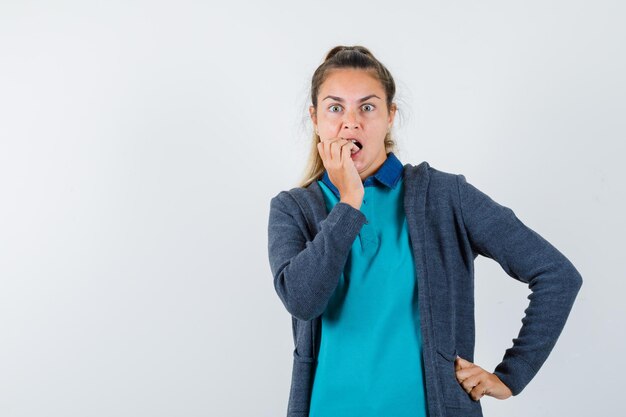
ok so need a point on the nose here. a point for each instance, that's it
(350, 121)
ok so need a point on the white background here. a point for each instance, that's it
(141, 142)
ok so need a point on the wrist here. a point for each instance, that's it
(353, 201)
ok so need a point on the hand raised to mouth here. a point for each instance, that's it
(337, 154)
(357, 143)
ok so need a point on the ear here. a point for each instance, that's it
(313, 114)
(392, 114)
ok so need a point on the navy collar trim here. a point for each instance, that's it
(388, 174)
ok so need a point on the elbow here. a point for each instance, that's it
(299, 310)
(575, 279)
(578, 281)
(296, 302)
(303, 314)
(572, 279)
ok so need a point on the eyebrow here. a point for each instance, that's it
(339, 99)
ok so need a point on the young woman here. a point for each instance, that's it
(374, 261)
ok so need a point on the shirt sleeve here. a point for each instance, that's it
(495, 231)
(306, 272)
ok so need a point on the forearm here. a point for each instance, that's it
(306, 273)
(553, 294)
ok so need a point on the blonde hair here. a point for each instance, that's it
(357, 57)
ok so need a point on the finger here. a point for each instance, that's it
(328, 148)
(470, 382)
(346, 151)
(465, 373)
(334, 150)
(321, 151)
(458, 365)
(336, 147)
(479, 391)
(325, 157)
(461, 363)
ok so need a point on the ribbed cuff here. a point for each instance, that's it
(515, 373)
(349, 220)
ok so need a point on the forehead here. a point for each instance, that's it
(351, 84)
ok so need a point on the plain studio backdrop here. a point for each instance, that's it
(141, 143)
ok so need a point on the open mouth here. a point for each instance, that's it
(358, 144)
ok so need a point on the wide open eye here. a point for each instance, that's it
(333, 106)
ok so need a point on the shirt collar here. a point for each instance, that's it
(388, 174)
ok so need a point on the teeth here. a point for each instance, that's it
(357, 143)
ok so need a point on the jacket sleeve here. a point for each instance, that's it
(494, 231)
(306, 273)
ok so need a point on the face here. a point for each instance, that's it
(351, 103)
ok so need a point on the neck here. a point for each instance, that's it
(374, 167)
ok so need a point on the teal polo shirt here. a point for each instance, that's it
(370, 361)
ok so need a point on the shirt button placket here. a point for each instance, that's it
(365, 202)
(367, 234)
